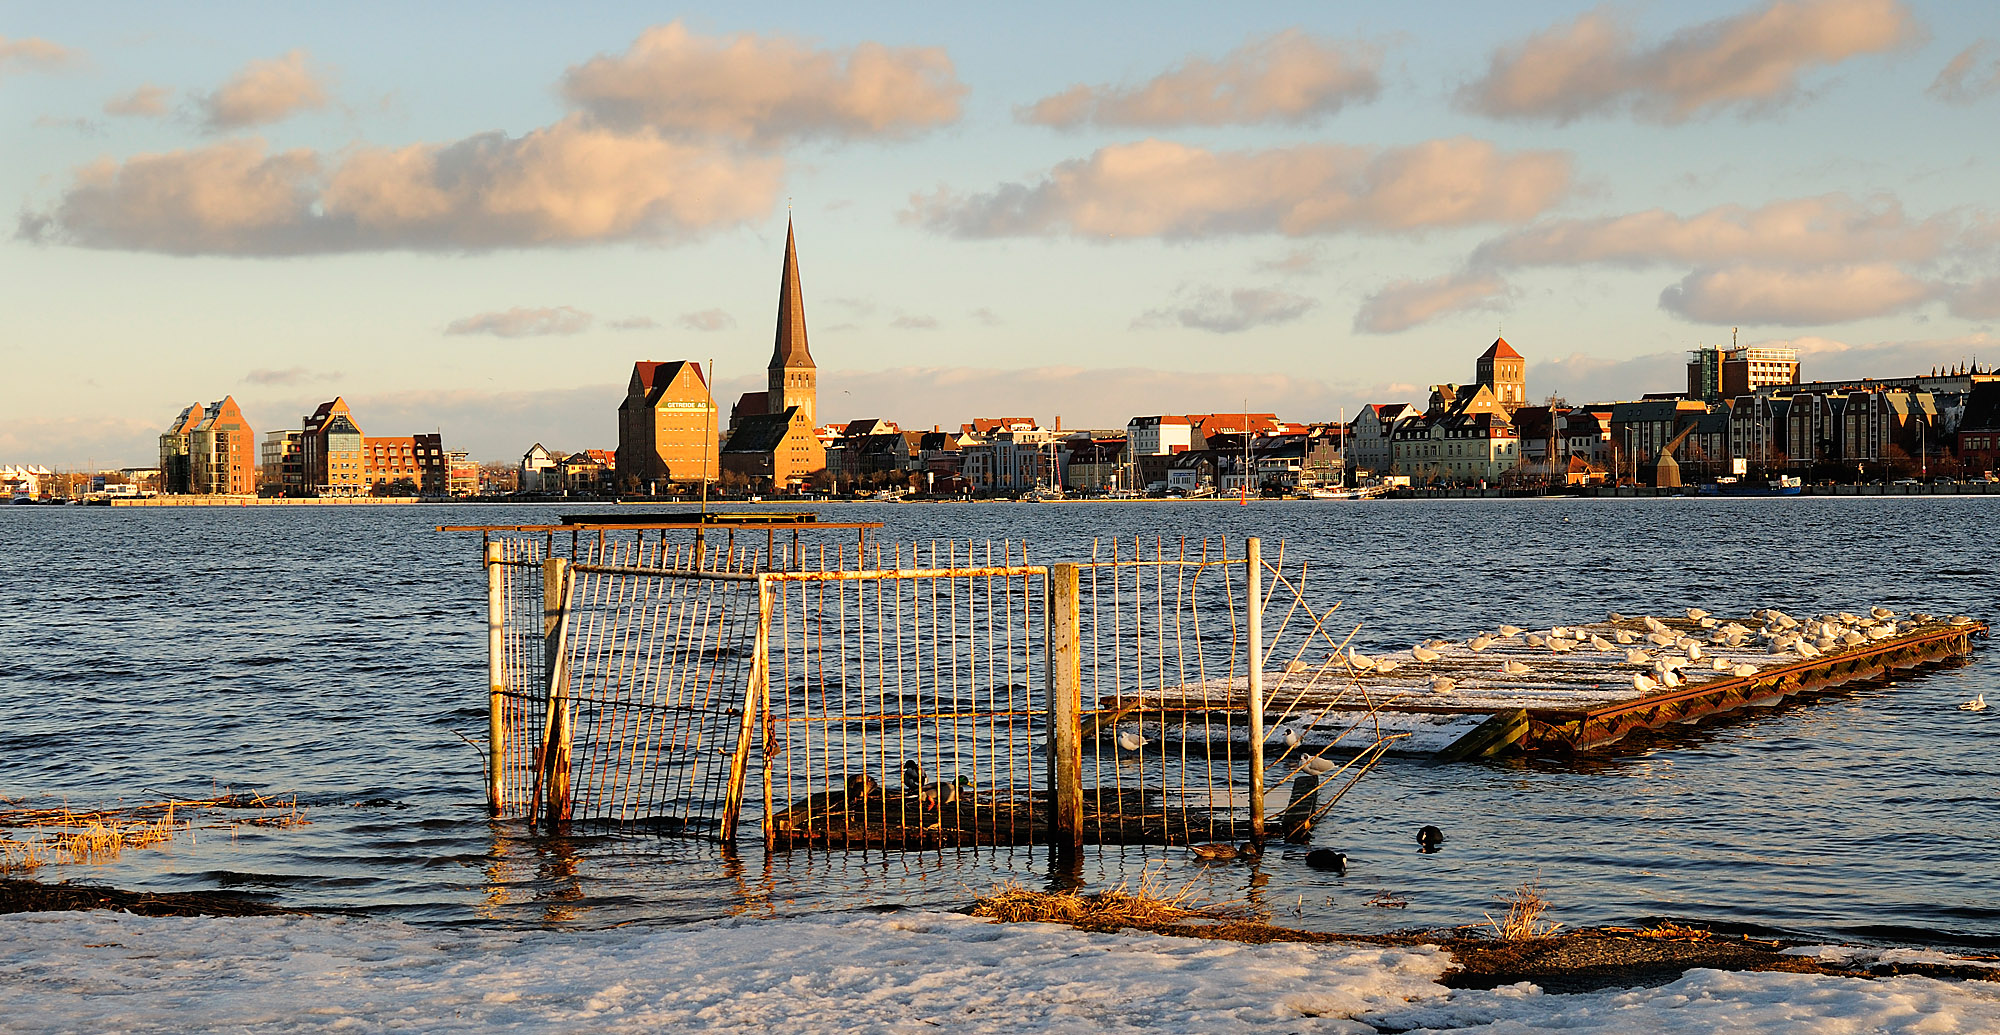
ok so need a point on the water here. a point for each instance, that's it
(338, 653)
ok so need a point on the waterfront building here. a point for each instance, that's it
(1159, 435)
(1716, 374)
(667, 429)
(410, 462)
(537, 471)
(281, 463)
(1016, 459)
(463, 476)
(1373, 435)
(591, 472)
(1639, 430)
(1503, 371)
(209, 450)
(1094, 464)
(775, 452)
(25, 481)
(1978, 434)
(331, 458)
(1886, 425)
(1464, 438)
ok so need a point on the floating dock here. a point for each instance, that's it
(1561, 691)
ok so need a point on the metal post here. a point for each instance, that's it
(1253, 587)
(556, 592)
(1062, 669)
(756, 705)
(496, 680)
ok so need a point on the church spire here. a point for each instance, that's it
(789, 350)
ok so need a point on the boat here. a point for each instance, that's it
(1788, 485)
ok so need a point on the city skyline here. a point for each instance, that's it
(479, 223)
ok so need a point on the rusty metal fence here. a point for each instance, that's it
(943, 694)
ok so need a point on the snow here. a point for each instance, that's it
(908, 971)
(1864, 956)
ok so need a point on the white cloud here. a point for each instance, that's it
(1827, 228)
(633, 323)
(1749, 62)
(707, 320)
(1977, 301)
(565, 184)
(523, 323)
(1747, 294)
(765, 87)
(918, 397)
(1406, 303)
(1210, 309)
(985, 317)
(914, 322)
(1968, 76)
(20, 54)
(145, 102)
(1287, 77)
(264, 91)
(1158, 188)
(288, 376)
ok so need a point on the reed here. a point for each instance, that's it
(68, 835)
(1524, 918)
(1153, 903)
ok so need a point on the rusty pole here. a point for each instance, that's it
(1062, 668)
(1253, 588)
(496, 680)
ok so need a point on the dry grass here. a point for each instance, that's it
(67, 835)
(1152, 904)
(1524, 916)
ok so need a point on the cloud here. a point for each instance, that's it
(1296, 262)
(80, 124)
(1158, 188)
(1827, 228)
(523, 323)
(914, 322)
(765, 88)
(1287, 77)
(145, 102)
(1406, 303)
(266, 90)
(565, 184)
(1209, 309)
(633, 323)
(84, 442)
(985, 317)
(1749, 62)
(21, 54)
(707, 320)
(1977, 301)
(1085, 397)
(1968, 76)
(1748, 294)
(289, 376)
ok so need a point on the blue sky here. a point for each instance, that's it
(475, 217)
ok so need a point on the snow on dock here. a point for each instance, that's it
(1574, 687)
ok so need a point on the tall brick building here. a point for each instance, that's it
(1503, 370)
(666, 428)
(771, 441)
(209, 450)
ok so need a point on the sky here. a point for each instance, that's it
(473, 218)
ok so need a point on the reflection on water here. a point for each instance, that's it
(339, 654)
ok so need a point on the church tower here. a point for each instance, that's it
(1505, 372)
(794, 378)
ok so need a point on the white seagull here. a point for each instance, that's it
(1130, 741)
(1977, 704)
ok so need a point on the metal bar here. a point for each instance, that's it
(1254, 625)
(754, 699)
(879, 574)
(496, 681)
(556, 733)
(675, 573)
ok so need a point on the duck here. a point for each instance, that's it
(861, 785)
(1977, 704)
(1513, 668)
(1327, 859)
(1424, 654)
(1429, 838)
(1130, 741)
(1214, 852)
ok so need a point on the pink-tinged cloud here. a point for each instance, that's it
(147, 101)
(1750, 62)
(19, 54)
(707, 320)
(1406, 303)
(765, 88)
(1971, 74)
(519, 322)
(1287, 77)
(1212, 309)
(1159, 188)
(1828, 228)
(1979, 300)
(265, 91)
(566, 184)
(1747, 294)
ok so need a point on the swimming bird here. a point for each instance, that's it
(1600, 643)
(1479, 642)
(1219, 851)
(1130, 741)
(1429, 838)
(1510, 630)
(1443, 684)
(1513, 668)
(1318, 766)
(1327, 859)
(1977, 704)
(1424, 654)
(1288, 736)
(1696, 614)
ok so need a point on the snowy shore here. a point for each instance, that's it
(898, 972)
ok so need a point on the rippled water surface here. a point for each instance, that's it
(338, 653)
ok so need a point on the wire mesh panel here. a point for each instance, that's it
(521, 699)
(1170, 755)
(904, 699)
(658, 644)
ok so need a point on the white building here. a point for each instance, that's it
(540, 470)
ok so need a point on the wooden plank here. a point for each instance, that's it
(496, 681)
(1489, 737)
(557, 588)
(1253, 623)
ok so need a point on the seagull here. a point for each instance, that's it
(1289, 736)
(1960, 620)
(1535, 640)
(1636, 656)
(1880, 612)
(1560, 646)
(1644, 683)
(1694, 651)
(1479, 642)
(1664, 639)
(1387, 665)
(1708, 623)
(1600, 643)
(1130, 741)
(1721, 665)
(1977, 704)
(1443, 684)
(1654, 624)
(1513, 668)
(1424, 654)
(1743, 671)
(1510, 630)
(1327, 859)
(1625, 636)
(1615, 617)
(1696, 614)
(1360, 662)
(1318, 766)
